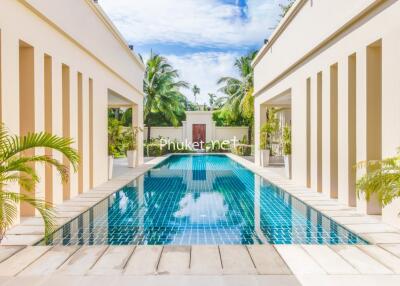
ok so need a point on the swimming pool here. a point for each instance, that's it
(201, 199)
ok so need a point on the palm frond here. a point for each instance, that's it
(8, 211)
(382, 179)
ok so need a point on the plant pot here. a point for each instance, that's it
(110, 166)
(288, 166)
(131, 155)
(265, 154)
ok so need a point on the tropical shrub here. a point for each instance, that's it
(178, 147)
(218, 146)
(382, 179)
(130, 138)
(268, 129)
(115, 138)
(287, 140)
(242, 150)
(154, 150)
(17, 166)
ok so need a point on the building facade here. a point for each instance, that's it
(62, 64)
(336, 65)
(198, 126)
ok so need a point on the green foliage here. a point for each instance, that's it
(179, 147)
(115, 138)
(162, 92)
(287, 140)
(196, 91)
(268, 129)
(242, 150)
(17, 166)
(211, 99)
(154, 149)
(218, 146)
(223, 117)
(130, 138)
(126, 118)
(382, 179)
(238, 105)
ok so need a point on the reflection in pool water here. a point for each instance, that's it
(205, 199)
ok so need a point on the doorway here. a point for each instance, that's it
(199, 134)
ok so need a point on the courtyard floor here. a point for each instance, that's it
(378, 263)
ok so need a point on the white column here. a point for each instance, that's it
(315, 116)
(260, 118)
(326, 132)
(343, 142)
(57, 125)
(73, 126)
(370, 207)
(39, 116)
(137, 121)
(85, 133)
(391, 116)
(298, 111)
(10, 89)
(100, 140)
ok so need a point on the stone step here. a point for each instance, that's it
(236, 259)
(205, 260)
(144, 260)
(174, 260)
(113, 261)
(49, 262)
(19, 261)
(267, 260)
(82, 260)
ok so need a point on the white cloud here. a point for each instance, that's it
(203, 69)
(192, 22)
(201, 24)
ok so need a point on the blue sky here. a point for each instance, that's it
(201, 38)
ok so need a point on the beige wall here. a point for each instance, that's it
(76, 35)
(329, 55)
(176, 133)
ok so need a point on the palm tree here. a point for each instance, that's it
(196, 91)
(162, 94)
(239, 101)
(211, 99)
(285, 8)
(16, 166)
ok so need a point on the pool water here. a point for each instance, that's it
(201, 199)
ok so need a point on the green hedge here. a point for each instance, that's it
(242, 150)
(154, 150)
(217, 147)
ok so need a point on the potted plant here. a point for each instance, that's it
(267, 129)
(114, 140)
(131, 145)
(16, 168)
(382, 179)
(287, 150)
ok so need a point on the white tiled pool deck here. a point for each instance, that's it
(375, 264)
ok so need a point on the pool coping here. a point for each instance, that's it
(370, 228)
(308, 264)
(30, 230)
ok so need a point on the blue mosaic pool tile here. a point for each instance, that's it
(206, 199)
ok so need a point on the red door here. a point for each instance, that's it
(199, 134)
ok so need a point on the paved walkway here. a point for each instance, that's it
(376, 264)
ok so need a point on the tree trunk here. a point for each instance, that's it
(148, 133)
(249, 132)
